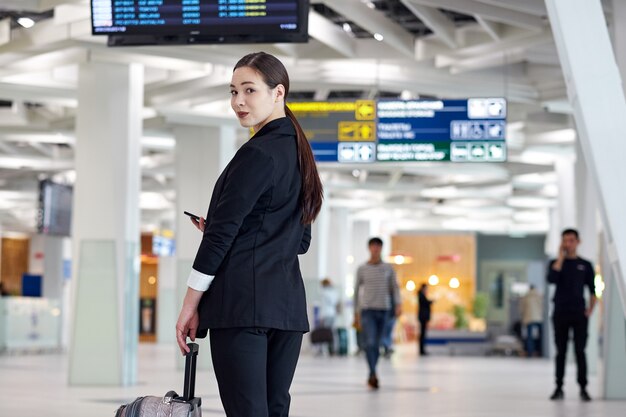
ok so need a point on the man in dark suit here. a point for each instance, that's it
(423, 316)
(571, 274)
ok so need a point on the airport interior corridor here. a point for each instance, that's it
(434, 386)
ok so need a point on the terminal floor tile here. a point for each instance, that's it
(433, 386)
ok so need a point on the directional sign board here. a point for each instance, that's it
(342, 131)
(362, 131)
(469, 130)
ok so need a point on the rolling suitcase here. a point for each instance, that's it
(171, 404)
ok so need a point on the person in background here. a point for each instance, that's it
(377, 281)
(531, 307)
(423, 316)
(329, 304)
(245, 284)
(571, 274)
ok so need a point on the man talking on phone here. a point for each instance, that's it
(571, 274)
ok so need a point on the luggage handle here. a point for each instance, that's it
(190, 372)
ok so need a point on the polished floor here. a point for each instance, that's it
(435, 386)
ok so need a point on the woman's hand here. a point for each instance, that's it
(199, 224)
(188, 320)
(187, 325)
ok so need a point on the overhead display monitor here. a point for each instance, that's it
(54, 216)
(362, 131)
(153, 22)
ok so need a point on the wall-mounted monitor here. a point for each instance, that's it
(55, 209)
(175, 22)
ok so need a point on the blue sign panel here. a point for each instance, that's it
(469, 130)
(365, 131)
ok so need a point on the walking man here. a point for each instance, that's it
(379, 289)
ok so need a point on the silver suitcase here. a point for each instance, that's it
(171, 404)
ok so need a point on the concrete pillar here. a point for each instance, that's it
(314, 264)
(202, 153)
(586, 203)
(168, 302)
(613, 366)
(105, 225)
(339, 266)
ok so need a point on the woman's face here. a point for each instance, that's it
(254, 103)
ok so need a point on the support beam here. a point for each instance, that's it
(493, 29)
(497, 14)
(9, 149)
(595, 92)
(45, 150)
(497, 59)
(187, 89)
(507, 45)
(439, 23)
(38, 94)
(534, 7)
(331, 35)
(376, 22)
(5, 31)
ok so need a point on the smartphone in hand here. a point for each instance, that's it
(193, 216)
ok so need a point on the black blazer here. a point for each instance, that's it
(253, 237)
(424, 307)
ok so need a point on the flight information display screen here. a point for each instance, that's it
(198, 20)
(469, 130)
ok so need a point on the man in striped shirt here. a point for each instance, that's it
(374, 291)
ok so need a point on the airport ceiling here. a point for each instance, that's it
(430, 48)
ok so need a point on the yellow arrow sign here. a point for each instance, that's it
(365, 110)
(357, 131)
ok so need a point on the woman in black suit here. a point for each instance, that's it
(245, 285)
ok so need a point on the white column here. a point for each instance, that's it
(613, 366)
(338, 250)
(106, 225)
(595, 92)
(202, 152)
(586, 203)
(168, 302)
(566, 181)
(314, 264)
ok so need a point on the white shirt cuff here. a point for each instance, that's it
(199, 281)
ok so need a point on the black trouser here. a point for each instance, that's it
(254, 368)
(423, 326)
(563, 322)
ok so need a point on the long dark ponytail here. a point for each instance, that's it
(273, 72)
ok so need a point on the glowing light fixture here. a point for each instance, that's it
(454, 282)
(378, 37)
(152, 280)
(399, 259)
(410, 285)
(433, 280)
(26, 22)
